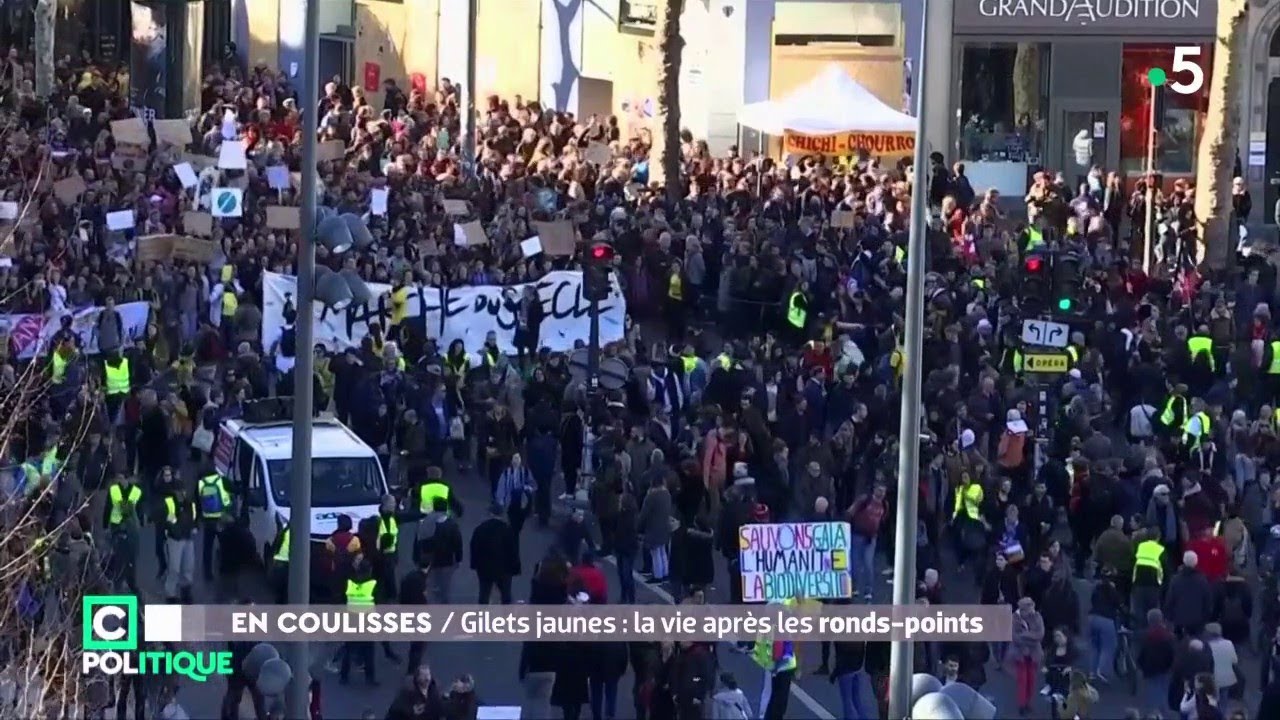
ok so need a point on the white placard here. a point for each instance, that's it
(531, 246)
(226, 202)
(378, 201)
(459, 235)
(120, 220)
(229, 124)
(33, 333)
(498, 712)
(278, 177)
(1045, 333)
(186, 175)
(231, 155)
(462, 313)
(8, 210)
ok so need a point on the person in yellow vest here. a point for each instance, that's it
(797, 313)
(180, 522)
(123, 497)
(117, 381)
(675, 309)
(967, 520)
(723, 361)
(33, 481)
(280, 567)
(1200, 349)
(777, 657)
(361, 587)
(1034, 239)
(1149, 563)
(490, 353)
(399, 300)
(1272, 366)
(215, 503)
(1175, 412)
(1011, 361)
(229, 305)
(59, 360)
(435, 487)
(1198, 429)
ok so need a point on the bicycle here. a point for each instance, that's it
(1126, 666)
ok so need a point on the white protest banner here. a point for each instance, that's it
(447, 314)
(781, 561)
(32, 334)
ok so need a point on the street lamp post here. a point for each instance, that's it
(299, 653)
(904, 556)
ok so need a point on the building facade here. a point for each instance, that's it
(1062, 84)
(593, 56)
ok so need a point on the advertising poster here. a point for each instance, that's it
(148, 69)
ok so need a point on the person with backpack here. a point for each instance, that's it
(730, 703)
(865, 516)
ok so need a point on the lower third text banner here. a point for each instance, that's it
(800, 621)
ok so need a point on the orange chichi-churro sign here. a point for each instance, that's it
(850, 143)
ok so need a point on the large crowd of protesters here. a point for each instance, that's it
(1136, 538)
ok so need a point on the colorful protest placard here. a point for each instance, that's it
(783, 561)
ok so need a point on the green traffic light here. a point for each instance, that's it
(1064, 304)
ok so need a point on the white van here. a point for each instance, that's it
(257, 458)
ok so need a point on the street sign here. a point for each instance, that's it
(1046, 362)
(1045, 333)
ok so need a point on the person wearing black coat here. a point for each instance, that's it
(571, 689)
(539, 661)
(692, 679)
(419, 699)
(495, 556)
(607, 664)
(1192, 658)
(238, 683)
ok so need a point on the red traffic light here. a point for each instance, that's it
(602, 252)
(1034, 264)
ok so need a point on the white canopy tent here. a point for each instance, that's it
(832, 102)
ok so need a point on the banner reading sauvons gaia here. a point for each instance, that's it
(875, 144)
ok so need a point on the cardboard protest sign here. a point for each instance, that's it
(429, 248)
(197, 223)
(200, 162)
(598, 154)
(70, 189)
(559, 239)
(130, 132)
(283, 217)
(842, 218)
(456, 207)
(129, 158)
(191, 249)
(469, 234)
(231, 155)
(330, 150)
(154, 248)
(186, 175)
(172, 132)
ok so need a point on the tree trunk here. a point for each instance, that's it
(45, 13)
(1215, 160)
(664, 153)
(1026, 83)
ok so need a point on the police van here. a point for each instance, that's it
(257, 459)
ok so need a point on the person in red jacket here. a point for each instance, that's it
(589, 579)
(1211, 551)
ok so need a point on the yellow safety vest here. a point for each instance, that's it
(899, 255)
(980, 283)
(796, 312)
(172, 507)
(1074, 353)
(229, 303)
(460, 367)
(1193, 441)
(389, 526)
(762, 651)
(1169, 415)
(58, 364)
(1035, 238)
(1148, 555)
(399, 305)
(1201, 345)
(282, 555)
(675, 288)
(33, 478)
(1274, 368)
(1017, 361)
(490, 358)
(969, 499)
(690, 364)
(214, 498)
(360, 593)
(118, 378)
(724, 361)
(122, 504)
(428, 494)
(49, 462)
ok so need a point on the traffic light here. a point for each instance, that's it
(1066, 283)
(1035, 283)
(596, 284)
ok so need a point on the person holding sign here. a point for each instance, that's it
(778, 658)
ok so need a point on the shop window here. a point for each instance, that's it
(1004, 97)
(1183, 114)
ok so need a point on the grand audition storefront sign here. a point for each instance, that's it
(876, 144)
(1085, 17)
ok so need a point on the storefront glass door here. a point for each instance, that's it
(1084, 144)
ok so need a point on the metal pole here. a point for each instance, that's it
(904, 557)
(593, 347)
(470, 147)
(1148, 239)
(300, 484)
